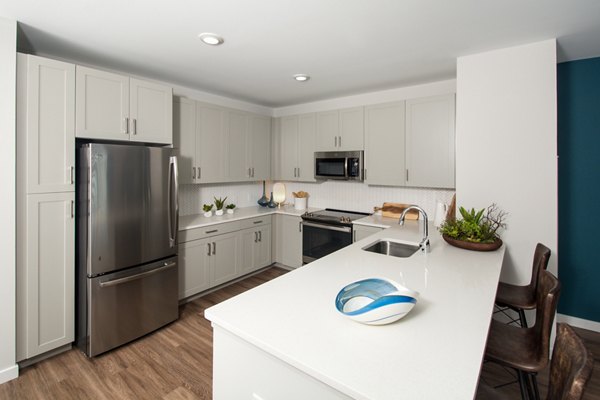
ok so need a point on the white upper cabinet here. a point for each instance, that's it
(184, 138)
(102, 110)
(114, 107)
(430, 141)
(340, 130)
(46, 121)
(239, 165)
(211, 143)
(297, 144)
(384, 144)
(151, 112)
(259, 147)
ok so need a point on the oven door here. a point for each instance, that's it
(319, 240)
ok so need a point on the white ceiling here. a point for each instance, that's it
(346, 46)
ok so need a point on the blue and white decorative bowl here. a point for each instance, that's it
(375, 301)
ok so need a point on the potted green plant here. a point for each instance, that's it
(219, 203)
(207, 208)
(477, 230)
(230, 208)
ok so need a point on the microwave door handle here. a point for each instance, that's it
(346, 167)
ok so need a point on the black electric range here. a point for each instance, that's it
(326, 231)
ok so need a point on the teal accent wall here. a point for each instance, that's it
(579, 188)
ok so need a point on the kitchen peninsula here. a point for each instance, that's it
(285, 339)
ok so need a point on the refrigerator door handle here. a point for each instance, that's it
(119, 281)
(173, 206)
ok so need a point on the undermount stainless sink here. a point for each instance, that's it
(390, 248)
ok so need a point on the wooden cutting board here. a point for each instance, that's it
(393, 210)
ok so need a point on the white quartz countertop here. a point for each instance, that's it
(435, 352)
(377, 221)
(200, 221)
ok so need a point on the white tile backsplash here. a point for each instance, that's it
(352, 196)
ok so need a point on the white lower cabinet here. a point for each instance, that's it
(45, 274)
(256, 248)
(258, 375)
(224, 260)
(194, 275)
(288, 243)
(360, 232)
(220, 253)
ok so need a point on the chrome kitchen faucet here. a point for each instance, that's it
(424, 245)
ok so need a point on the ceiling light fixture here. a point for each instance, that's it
(211, 38)
(301, 77)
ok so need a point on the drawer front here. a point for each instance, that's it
(207, 231)
(257, 221)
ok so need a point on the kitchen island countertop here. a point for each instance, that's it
(434, 352)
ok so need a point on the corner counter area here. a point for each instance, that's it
(285, 339)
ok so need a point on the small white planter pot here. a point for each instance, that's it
(219, 212)
(208, 214)
(229, 211)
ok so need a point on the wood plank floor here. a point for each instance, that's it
(175, 363)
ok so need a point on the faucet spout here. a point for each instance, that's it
(424, 245)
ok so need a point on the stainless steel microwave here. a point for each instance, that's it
(341, 165)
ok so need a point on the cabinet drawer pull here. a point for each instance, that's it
(213, 231)
(335, 145)
(298, 172)
(300, 226)
(126, 126)
(72, 172)
(135, 126)
(407, 175)
(340, 141)
(208, 249)
(199, 173)
(258, 222)
(255, 237)
(253, 172)
(214, 248)
(193, 172)
(72, 209)
(260, 236)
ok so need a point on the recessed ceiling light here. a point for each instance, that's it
(301, 77)
(211, 38)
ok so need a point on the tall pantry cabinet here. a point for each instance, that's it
(45, 204)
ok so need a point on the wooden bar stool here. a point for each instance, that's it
(570, 369)
(526, 349)
(521, 298)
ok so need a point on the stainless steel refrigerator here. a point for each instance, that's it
(127, 221)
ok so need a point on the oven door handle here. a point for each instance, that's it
(346, 229)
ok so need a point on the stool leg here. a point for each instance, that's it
(536, 391)
(522, 318)
(523, 385)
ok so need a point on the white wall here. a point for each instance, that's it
(506, 146)
(8, 65)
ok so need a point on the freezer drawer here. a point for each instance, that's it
(126, 305)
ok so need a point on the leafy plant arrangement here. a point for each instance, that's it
(476, 226)
(219, 203)
(230, 206)
(207, 207)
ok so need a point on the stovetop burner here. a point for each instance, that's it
(333, 216)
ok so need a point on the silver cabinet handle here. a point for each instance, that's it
(208, 254)
(258, 222)
(72, 172)
(249, 173)
(199, 173)
(253, 172)
(298, 172)
(335, 145)
(126, 126)
(255, 237)
(407, 175)
(294, 172)
(300, 226)
(213, 231)
(135, 126)
(72, 209)
(118, 281)
(260, 236)
(214, 248)
(340, 141)
(193, 172)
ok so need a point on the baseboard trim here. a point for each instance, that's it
(9, 373)
(579, 322)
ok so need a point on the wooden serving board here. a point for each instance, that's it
(393, 210)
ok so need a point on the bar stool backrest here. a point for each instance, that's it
(547, 294)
